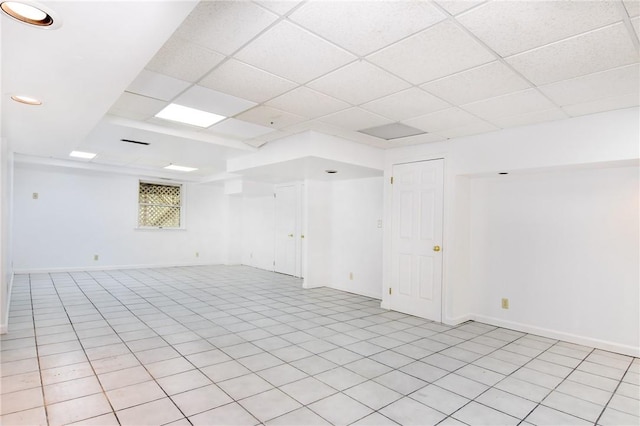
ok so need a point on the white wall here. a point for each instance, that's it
(598, 140)
(340, 225)
(563, 247)
(258, 227)
(317, 225)
(356, 240)
(343, 237)
(6, 216)
(81, 213)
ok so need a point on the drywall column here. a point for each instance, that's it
(317, 234)
(6, 261)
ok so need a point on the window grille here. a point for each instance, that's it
(159, 205)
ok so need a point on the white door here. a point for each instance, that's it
(286, 243)
(416, 286)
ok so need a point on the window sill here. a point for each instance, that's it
(153, 228)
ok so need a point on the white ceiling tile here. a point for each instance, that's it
(456, 7)
(270, 117)
(604, 84)
(224, 26)
(359, 82)
(436, 52)
(443, 120)
(246, 81)
(510, 27)
(530, 118)
(239, 129)
(158, 86)
(212, 101)
(363, 27)
(406, 104)
(633, 7)
(293, 53)
(136, 107)
(522, 102)
(183, 60)
(591, 52)
(173, 124)
(607, 104)
(468, 130)
(279, 7)
(486, 81)
(355, 119)
(636, 25)
(415, 140)
(307, 102)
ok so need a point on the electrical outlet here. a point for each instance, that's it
(351, 275)
(505, 303)
(34, 196)
(96, 257)
(197, 254)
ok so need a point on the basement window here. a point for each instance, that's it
(159, 206)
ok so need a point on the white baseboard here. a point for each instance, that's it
(456, 320)
(384, 304)
(307, 284)
(560, 335)
(108, 267)
(4, 325)
(352, 291)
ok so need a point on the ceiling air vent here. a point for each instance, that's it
(392, 131)
(136, 142)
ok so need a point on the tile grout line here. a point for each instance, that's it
(613, 393)
(35, 341)
(104, 393)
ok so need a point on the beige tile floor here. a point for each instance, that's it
(217, 345)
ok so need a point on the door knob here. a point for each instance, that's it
(436, 248)
(291, 235)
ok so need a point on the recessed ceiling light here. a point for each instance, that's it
(180, 168)
(80, 154)
(26, 100)
(27, 12)
(192, 116)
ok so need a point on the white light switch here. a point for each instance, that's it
(35, 196)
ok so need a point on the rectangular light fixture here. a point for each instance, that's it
(186, 115)
(84, 155)
(180, 168)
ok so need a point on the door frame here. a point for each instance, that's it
(299, 225)
(387, 278)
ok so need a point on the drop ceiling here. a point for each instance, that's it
(278, 68)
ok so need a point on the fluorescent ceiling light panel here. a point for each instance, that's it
(84, 155)
(180, 168)
(392, 131)
(186, 115)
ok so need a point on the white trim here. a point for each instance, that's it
(559, 335)
(351, 291)
(111, 267)
(457, 320)
(4, 326)
(306, 284)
